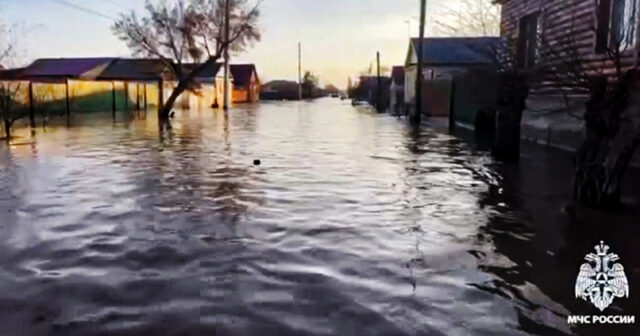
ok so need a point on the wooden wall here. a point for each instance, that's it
(562, 21)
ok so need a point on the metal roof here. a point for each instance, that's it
(12, 74)
(209, 72)
(83, 68)
(126, 69)
(134, 69)
(456, 50)
(242, 73)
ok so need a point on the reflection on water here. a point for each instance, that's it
(353, 225)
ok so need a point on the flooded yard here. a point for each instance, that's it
(353, 224)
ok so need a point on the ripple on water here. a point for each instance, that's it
(353, 224)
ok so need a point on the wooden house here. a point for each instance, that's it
(59, 84)
(280, 90)
(211, 82)
(445, 58)
(246, 83)
(589, 28)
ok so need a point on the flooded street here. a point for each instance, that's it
(353, 224)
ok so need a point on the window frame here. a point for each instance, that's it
(606, 19)
(528, 40)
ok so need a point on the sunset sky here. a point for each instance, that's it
(339, 37)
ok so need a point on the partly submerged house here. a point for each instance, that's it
(139, 79)
(108, 83)
(280, 90)
(211, 82)
(59, 84)
(590, 30)
(397, 90)
(58, 70)
(444, 57)
(246, 83)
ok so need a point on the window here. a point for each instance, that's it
(616, 24)
(528, 33)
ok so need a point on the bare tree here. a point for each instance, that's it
(188, 31)
(468, 18)
(309, 84)
(11, 108)
(7, 44)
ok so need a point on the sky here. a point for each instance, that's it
(339, 38)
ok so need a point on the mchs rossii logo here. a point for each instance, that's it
(600, 281)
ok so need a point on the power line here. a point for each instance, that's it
(113, 3)
(84, 9)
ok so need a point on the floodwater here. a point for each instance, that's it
(352, 225)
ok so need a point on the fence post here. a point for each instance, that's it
(113, 99)
(32, 117)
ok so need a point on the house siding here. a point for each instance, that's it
(249, 93)
(561, 20)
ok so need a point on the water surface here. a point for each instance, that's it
(352, 225)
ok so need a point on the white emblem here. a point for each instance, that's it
(601, 284)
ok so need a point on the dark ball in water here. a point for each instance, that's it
(256, 162)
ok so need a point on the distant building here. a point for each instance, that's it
(279, 90)
(246, 83)
(396, 95)
(444, 57)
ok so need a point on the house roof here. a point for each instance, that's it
(134, 69)
(397, 75)
(209, 72)
(242, 73)
(12, 74)
(454, 50)
(86, 68)
(107, 68)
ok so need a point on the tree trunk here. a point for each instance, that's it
(168, 105)
(183, 85)
(7, 129)
(612, 123)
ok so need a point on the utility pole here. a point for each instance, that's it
(299, 71)
(417, 116)
(379, 86)
(227, 9)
